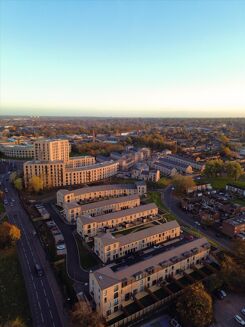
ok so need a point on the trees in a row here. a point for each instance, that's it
(218, 167)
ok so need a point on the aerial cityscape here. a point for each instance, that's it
(122, 163)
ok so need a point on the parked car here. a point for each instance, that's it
(61, 246)
(239, 320)
(243, 311)
(220, 294)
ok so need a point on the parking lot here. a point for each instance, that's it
(226, 309)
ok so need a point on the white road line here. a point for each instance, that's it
(42, 317)
(48, 303)
(39, 305)
(51, 314)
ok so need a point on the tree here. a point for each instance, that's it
(239, 250)
(9, 234)
(15, 323)
(214, 168)
(18, 184)
(36, 183)
(182, 183)
(13, 177)
(233, 274)
(195, 306)
(233, 169)
(227, 151)
(82, 316)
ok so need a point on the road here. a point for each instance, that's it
(45, 299)
(172, 204)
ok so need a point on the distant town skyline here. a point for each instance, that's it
(122, 58)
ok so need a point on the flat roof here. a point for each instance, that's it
(118, 214)
(106, 277)
(95, 166)
(108, 238)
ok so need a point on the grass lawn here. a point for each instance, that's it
(220, 182)
(240, 201)
(156, 198)
(87, 259)
(13, 297)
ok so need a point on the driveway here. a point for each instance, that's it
(224, 310)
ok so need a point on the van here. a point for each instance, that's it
(39, 270)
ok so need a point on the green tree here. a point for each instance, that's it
(195, 306)
(233, 274)
(214, 168)
(182, 183)
(233, 169)
(36, 183)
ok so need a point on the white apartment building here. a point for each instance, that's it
(73, 210)
(21, 151)
(99, 192)
(113, 286)
(88, 226)
(109, 247)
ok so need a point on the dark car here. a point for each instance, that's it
(39, 270)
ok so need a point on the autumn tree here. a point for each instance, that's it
(195, 306)
(233, 274)
(233, 169)
(15, 323)
(18, 184)
(182, 183)
(214, 168)
(83, 316)
(9, 234)
(36, 183)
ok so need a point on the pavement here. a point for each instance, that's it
(226, 309)
(172, 203)
(45, 298)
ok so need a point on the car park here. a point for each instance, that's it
(239, 320)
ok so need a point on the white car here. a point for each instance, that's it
(239, 320)
(60, 247)
(243, 311)
(197, 223)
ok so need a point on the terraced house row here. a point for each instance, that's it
(88, 226)
(73, 210)
(109, 248)
(98, 192)
(112, 287)
(55, 168)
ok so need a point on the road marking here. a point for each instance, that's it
(39, 305)
(42, 317)
(48, 303)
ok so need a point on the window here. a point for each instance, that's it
(105, 300)
(116, 288)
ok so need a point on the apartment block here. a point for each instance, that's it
(165, 169)
(88, 226)
(111, 287)
(53, 165)
(73, 210)
(109, 248)
(98, 192)
(17, 150)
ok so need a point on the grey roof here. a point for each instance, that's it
(106, 277)
(118, 214)
(95, 166)
(98, 188)
(104, 203)
(107, 238)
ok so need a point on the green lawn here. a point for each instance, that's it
(220, 182)
(87, 259)
(156, 198)
(13, 297)
(240, 201)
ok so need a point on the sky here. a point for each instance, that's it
(139, 58)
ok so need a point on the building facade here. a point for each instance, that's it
(88, 226)
(111, 287)
(99, 192)
(109, 248)
(73, 210)
(17, 150)
(53, 165)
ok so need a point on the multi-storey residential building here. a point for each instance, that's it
(130, 157)
(109, 248)
(17, 150)
(98, 192)
(73, 210)
(151, 175)
(53, 165)
(88, 226)
(113, 286)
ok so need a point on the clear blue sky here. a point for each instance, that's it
(136, 58)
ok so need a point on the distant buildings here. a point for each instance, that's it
(130, 157)
(54, 166)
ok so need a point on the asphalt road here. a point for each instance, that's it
(183, 217)
(45, 299)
